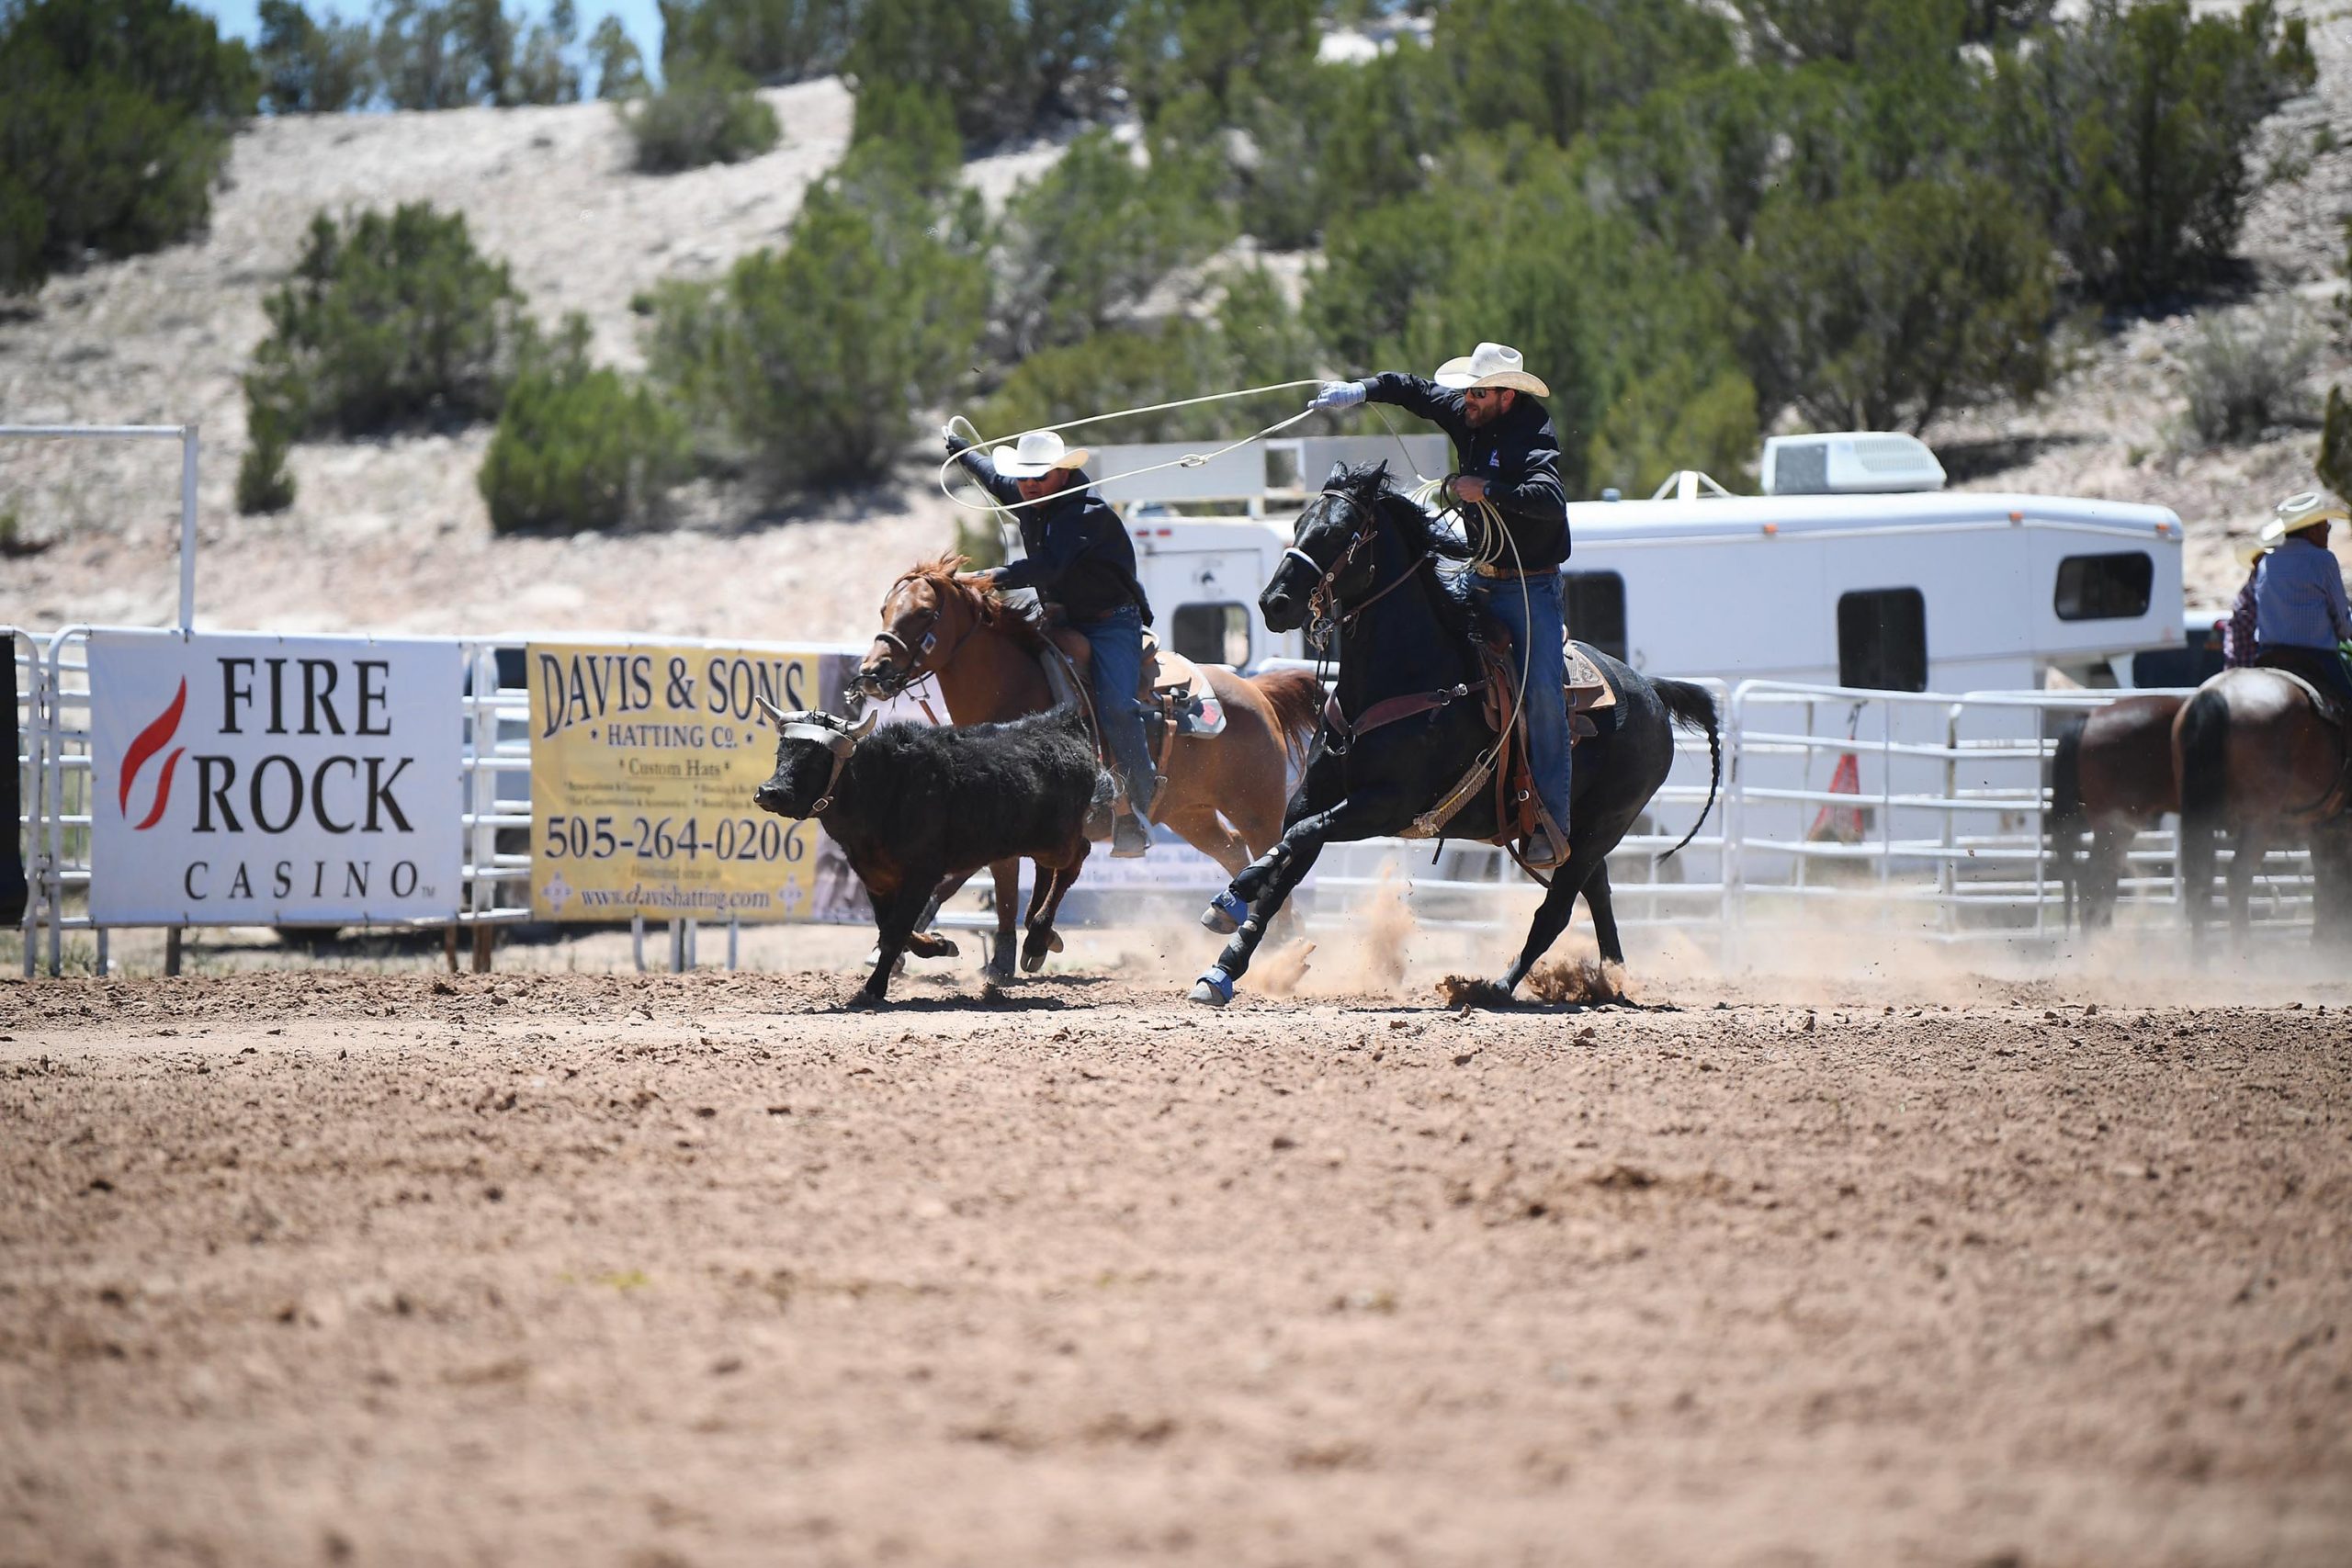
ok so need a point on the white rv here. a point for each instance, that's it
(1891, 582)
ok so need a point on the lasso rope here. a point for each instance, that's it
(1186, 460)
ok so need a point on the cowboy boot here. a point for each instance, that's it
(1131, 835)
(1546, 849)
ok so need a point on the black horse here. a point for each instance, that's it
(1403, 630)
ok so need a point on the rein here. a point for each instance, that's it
(1388, 710)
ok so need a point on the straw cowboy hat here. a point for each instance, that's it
(1491, 365)
(2305, 509)
(1039, 452)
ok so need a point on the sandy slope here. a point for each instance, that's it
(393, 535)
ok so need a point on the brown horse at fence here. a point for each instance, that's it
(2110, 777)
(1223, 793)
(2259, 758)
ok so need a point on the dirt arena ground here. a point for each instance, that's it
(393, 1267)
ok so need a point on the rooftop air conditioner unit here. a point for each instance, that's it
(1848, 462)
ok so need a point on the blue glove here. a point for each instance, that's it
(1339, 395)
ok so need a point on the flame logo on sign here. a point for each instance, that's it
(152, 740)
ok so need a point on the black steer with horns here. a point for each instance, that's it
(913, 805)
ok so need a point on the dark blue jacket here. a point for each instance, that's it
(1516, 454)
(1079, 553)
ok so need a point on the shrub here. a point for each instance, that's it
(771, 40)
(115, 117)
(620, 69)
(1087, 242)
(807, 365)
(910, 132)
(389, 320)
(706, 113)
(313, 67)
(1893, 306)
(2130, 130)
(262, 483)
(2244, 373)
(2334, 464)
(1122, 368)
(473, 51)
(578, 446)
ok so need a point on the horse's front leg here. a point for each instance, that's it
(1324, 787)
(1287, 862)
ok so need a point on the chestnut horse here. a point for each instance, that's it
(2110, 777)
(2257, 758)
(1222, 792)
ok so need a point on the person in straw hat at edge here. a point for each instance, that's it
(2236, 628)
(1081, 561)
(2300, 614)
(1506, 456)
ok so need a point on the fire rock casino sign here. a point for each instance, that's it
(248, 780)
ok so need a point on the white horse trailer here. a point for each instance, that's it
(1903, 591)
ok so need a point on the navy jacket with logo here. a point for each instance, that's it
(1516, 454)
(1079, 553)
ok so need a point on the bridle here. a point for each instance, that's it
(893, 679)
(836, 735)
(1322, 600)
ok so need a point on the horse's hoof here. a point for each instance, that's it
(1033, 959)
(1214, 988)
(997, 974)
(932, 945)
(866, 999)
(1225, 914)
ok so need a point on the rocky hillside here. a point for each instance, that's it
(392, 534)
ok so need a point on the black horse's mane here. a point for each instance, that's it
(1367, 484)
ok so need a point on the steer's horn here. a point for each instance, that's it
(776, 715)
(864, 727)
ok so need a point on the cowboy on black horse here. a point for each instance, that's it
(1508, 458)
(1080, 563)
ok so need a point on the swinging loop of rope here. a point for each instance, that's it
(1186, 460)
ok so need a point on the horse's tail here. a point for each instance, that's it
(1296, 698)
(2204, 769)
(2065, 821)
(1693, 707)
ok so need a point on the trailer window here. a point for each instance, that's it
(1593, 603)
(1212, 633)
(1883, 640)
(2105, 588)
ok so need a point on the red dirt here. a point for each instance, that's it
(591, 1270)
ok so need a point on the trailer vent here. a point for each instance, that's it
(1851, 462)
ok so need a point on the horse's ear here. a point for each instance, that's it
(1338, 477)
(1380, 475)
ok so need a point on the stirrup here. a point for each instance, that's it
(1130, 837)
(1546, 848)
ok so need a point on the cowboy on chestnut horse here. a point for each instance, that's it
(1507, 458)
(1082, 564)
(2299, 612)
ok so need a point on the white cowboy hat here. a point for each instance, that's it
(1037, 453)
(2305, 509)
(1491, 365)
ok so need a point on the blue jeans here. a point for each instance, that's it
(1117, 642)
(1535, 626)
